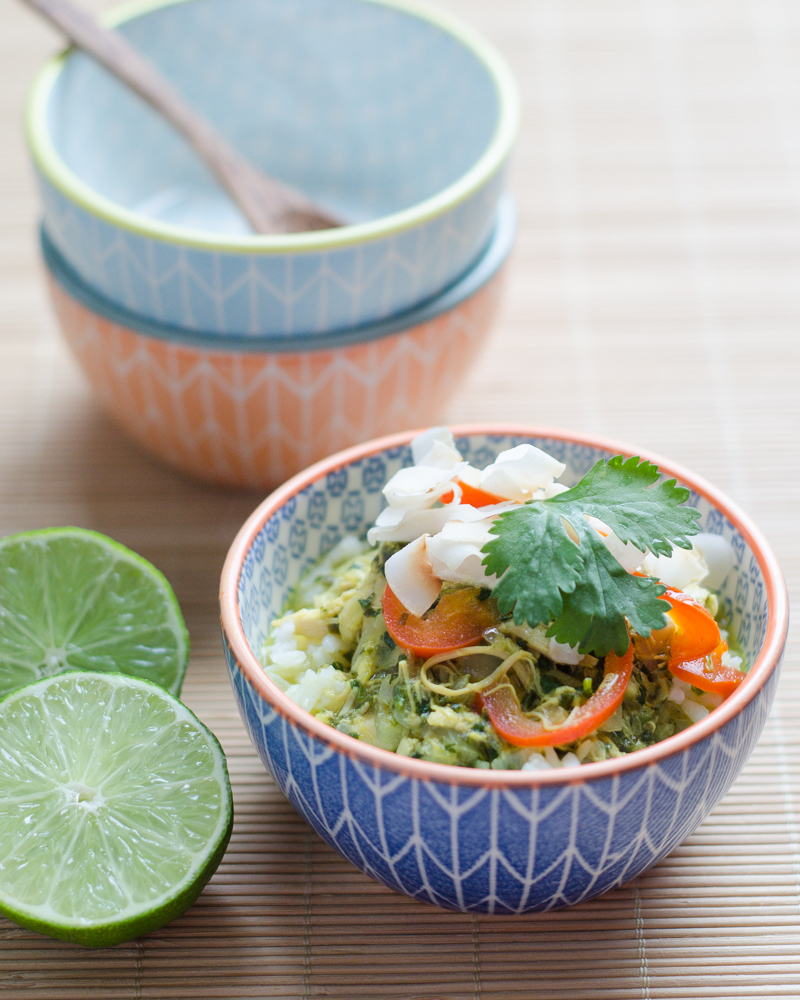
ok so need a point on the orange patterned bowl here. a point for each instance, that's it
(246, 415)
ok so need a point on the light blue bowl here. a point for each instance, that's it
(395, 117)
(480, 840)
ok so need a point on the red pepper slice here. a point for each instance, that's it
(473, 496)
(506, 715)
(708, 672)
(458, 620)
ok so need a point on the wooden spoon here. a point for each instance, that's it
(268, 205)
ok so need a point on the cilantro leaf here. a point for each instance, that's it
(578, 588)
(537, 558)
(622, 495)
(592, 620)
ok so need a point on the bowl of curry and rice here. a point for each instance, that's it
(502, 669)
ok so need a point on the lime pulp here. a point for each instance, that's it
(115, 807)
(72, 599)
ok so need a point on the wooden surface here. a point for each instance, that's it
(654, 296)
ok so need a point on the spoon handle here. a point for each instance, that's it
(268, 205)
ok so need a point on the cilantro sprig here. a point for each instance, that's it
(580, 590)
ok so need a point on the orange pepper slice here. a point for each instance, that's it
(473, 496)
(708, 672)
(695, 633)
(696, 647)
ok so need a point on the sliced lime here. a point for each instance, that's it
(72, 599)
(115, 807)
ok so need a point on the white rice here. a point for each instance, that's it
(317, 690)
(288, 665)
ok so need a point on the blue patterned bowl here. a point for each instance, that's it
(481, 840)
(397, 119)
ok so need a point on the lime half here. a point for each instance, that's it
(72, 599)
(115, 807)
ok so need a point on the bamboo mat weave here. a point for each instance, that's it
(654, 296)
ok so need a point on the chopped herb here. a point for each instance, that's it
(626, 742)
(389, 641)
(567, 698)
(581, 591)
(385, 552)
(549, 684)
(366, 604)
(530, 700)
(362, 694)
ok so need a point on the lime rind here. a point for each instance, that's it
(115, 807)
(71, 598)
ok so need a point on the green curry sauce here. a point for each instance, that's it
(381, 694)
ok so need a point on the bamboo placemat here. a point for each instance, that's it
(653, 297)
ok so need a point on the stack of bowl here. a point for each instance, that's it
(242, 358)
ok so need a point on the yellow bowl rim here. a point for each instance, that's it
(57, 173)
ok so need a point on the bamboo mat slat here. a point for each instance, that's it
(653, 296)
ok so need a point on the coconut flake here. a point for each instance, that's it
(455, 552)
(680, 570)
(420, 486)
(561, 652)
(410, 575)
(394, 524)
(718, 555)
(470, 475)
(626, 553)
(436, 447)
(517, 473)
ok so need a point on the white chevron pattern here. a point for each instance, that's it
(255, 418)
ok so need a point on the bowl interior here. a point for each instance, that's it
(348, 499)
(364, 107)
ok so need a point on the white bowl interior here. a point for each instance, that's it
(364, 107)
(349, 499)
